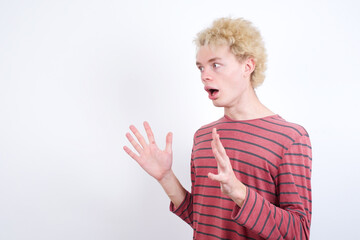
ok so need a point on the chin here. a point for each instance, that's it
(218, 104)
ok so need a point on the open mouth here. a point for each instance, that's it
(213, 92)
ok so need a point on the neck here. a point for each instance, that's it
(247, 107)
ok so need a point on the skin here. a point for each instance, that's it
(219, 69)
(156, 162)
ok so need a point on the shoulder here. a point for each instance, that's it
(294, 130)
(296, 133)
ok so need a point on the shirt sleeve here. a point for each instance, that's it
(291, 217)
(185, 209)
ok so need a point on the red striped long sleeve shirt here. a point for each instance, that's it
(272, 157)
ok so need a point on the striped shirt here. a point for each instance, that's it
(272, 157)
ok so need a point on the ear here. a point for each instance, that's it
(249, 66)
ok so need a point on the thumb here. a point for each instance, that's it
(214, 177)
(169, 142)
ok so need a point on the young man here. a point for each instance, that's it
(251, 169)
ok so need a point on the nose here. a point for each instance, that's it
(205, 75)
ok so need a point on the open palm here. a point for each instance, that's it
(156, 162)
(229, 184)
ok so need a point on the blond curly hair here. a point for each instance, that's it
(243, 39)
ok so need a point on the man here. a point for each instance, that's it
(251, 169)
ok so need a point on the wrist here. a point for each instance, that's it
(173, 188)
(166, 177)
(239, 195)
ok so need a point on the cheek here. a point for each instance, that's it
(235, 87)
(235, 82)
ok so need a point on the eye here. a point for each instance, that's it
(201, 68)
(216, 65)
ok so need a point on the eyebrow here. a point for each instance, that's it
(210, 60)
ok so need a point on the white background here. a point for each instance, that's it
(75, 74)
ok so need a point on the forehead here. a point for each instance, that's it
(208, 52)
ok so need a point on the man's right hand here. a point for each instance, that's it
(157, 163)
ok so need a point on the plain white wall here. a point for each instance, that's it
(75, 74)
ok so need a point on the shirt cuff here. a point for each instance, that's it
(183, 204)
(245, 209)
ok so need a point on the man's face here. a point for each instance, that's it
(224, 77)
